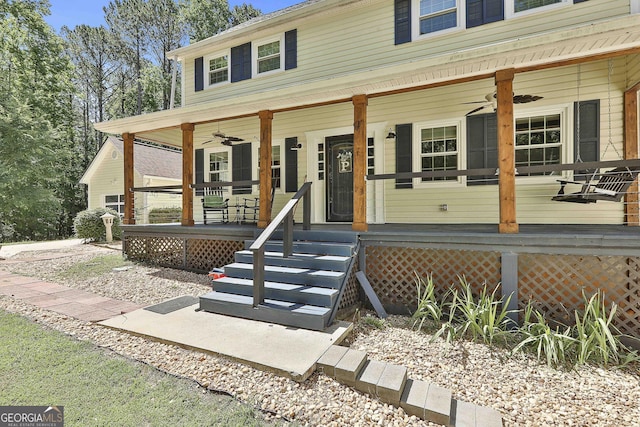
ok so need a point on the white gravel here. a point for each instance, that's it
(525, 392)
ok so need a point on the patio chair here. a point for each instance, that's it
(215, 205)
(611, 186)
(251, 208)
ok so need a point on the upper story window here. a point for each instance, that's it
(517, 7)
(218, 69)
(437, 15)
(268, 56)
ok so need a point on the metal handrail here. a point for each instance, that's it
(285, 216)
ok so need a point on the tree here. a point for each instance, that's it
(34, 116)
(206, 18)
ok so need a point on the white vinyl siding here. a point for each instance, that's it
(369, 34)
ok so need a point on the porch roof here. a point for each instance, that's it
(583, 43)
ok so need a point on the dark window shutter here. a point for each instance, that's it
(241, 160)
(199, 166)
(482, 146)
(291, 49)
(402, 21)
(404, 161)
(579, 1)
(291, 164)
(587, 143)
(241, 62)
(199, 73)
(484, 11)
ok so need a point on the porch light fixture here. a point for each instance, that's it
(391, 134)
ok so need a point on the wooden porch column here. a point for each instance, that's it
(360, 103)
(632, 205)
(266, 129)
(187, 173)
(506, 152)
(128, 178)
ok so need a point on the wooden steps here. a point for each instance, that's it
(302, 290)
(390, 384)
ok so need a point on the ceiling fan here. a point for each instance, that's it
(223, 138)
(490, 101)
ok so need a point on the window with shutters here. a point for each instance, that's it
(435, 16)
(267, 56)
(217, 67)
(538, 140)
(437, 149)
(276, 166)
(219, 166)
(523, 7)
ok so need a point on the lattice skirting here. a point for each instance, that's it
(351, 295)
(392, 272)
(199, 255)
(555, 284)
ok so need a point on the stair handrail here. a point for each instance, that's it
(285, 217)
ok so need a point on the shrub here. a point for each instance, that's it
(89, 226)
(428, 307)
(165, 215)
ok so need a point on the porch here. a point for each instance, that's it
(549, 264)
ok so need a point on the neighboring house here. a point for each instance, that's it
(154, 166)
(461, 115)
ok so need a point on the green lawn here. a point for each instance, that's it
(41, 367)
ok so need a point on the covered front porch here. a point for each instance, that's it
(550, 265)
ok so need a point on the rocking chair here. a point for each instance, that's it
(611, 186)
(214, 203)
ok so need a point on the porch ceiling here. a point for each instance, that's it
(595, 41)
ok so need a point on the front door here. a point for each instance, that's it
(339, 158)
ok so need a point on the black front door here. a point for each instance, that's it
(339, 157)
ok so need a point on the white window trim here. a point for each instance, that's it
(256, 161)
(509, 8)
(207, 58)
(566, 132)
(104, 203)
(634, 6)
(415, 21)
(207, 171)
(254, 55)
(417, 149)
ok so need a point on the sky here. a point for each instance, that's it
(89, 12)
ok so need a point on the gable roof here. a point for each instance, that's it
(148, 160)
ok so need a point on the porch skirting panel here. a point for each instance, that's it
(554, 283)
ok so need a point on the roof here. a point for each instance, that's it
(149, 160)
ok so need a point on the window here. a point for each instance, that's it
(538, 141)
(115, 202)
(515, 7)
(268, 56)
(439, 151)
(219, 166)
(276, 166)
(432, 16)
(218, 69)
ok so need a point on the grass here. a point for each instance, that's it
(42, 367)
(94, 267)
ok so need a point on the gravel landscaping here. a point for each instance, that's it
(525, 392)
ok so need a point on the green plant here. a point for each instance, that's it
(164, 215)
(373, 322)
(88, 225)
(552, 344)
(428, 307)
(486, 317)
